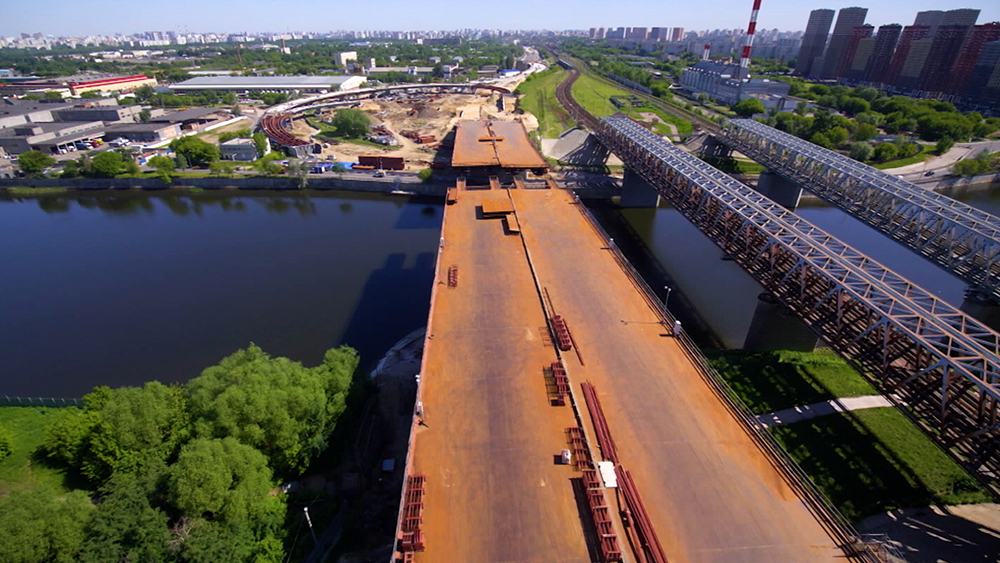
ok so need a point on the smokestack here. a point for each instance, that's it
(745, 57)
(707, 52)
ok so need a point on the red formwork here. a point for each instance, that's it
(453, 276)
(411, 537)
(562, 382)
(562, 333)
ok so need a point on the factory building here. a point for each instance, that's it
(76, 85)
(246, 84)
(719, 82)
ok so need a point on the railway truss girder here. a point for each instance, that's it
(957, 237)
(938, 365)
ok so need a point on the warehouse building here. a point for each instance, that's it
(76, 85)
(239, 149)
(144, 132)
(48, 137)
(719, 82)
(257, 84)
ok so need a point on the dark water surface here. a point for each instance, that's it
(725, 296)
(125, 289)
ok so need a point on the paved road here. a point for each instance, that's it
(712, 495)
(805, 412)
(941, 165)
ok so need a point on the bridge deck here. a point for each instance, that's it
(711, 494)
(493, 491)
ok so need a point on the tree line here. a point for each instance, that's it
(181, 473)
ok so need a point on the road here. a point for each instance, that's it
(941, 165)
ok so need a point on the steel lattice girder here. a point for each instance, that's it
(956, 236)
(942, 362)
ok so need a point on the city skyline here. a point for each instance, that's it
(82, 18)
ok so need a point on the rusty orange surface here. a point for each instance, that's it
(494, 143)
(712, 495)
(494, 492)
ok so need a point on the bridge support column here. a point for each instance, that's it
(982, 308)
(775, 328)
(636, 191)
(714, 147)
(781, 191)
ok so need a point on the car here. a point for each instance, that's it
(929, 173)
(379, 174)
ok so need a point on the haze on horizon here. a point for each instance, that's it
(90, 17)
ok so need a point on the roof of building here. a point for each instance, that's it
(280, 82)
(139, 127)
(238, 141)
(178, 116)
(47, 127)
(495, 143)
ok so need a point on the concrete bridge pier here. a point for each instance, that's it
(982, 308)
(774, 327)
(781, 191)
(636, 191)
(711, 146)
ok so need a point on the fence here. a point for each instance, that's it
(6, 401)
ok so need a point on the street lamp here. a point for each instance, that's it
(666, 298)
(305, 509)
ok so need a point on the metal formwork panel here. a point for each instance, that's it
(939, 361)
(959, 238)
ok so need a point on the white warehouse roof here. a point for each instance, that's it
(270, 83)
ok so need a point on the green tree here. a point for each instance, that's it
(865, 132)
(182, 161)
(144, 93)
(164, 166)
(861, 151)
(351, 123)
(260, 141)
(885, 152)
(749, 107)
(6, 443)
(273, 404)
(53, 95)
(237, 110)
(221, 479)
(125, 527)
(425, 175)
(36, 527)
(33, 162)
(144, 115)
(944, 145)
(822, 140)
(854, 106)
(70, 170)
(107, 164)
(67, 439)
(222, 168)
(196, 151)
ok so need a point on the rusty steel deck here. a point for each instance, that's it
(503, 144)
(493, 492)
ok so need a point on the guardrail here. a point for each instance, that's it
(864, 548)
(6, 401)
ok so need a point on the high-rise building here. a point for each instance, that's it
(637, 33)
(813, 40)
(862, 54)
(931, 19)
(659, 33)
(987, 71)
(843, 30)
(910, 34)
(968, 58)
(961, 16)
(593, 33)
(881, 55)
(676, 33)
(909, 75)
(944, 52)
(851, 49)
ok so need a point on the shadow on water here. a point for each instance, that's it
(395, 292)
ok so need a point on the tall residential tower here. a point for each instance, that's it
(813, 41)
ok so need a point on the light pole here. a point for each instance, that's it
(666, 298)
(305, 509)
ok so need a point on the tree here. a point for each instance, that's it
(70, 170)
(33, 162)
(237, 110)
(703, 98)
(144, 93)
(107, 164)
(885, 152)
(182, 161)
(351, 123)
(821, 140)
(37, 527)
(53, 95)
(260, 141)
(196, 151)
(861, 151)
(749, 107)
(944, 145)
(221, 479)
(273, 404)
(971, 167)
(425, 175)
(300, 171)
(6, 443)
(164, 167)
(125, 527)
(144, 115)
(865, 132)
(837, 136)
(854, 106)
(222, 168)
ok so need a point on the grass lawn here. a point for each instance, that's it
(28, 191)
(873, 460)
(733, 165)
(771, 381)
(539, 99)
(20, 469)
(926, 152)
(595, 96)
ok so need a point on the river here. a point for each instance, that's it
(122, 289)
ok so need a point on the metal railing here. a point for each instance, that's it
(7, 401)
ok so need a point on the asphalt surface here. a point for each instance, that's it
(712, 495)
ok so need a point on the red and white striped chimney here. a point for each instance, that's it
(707, 53)
(745, 57)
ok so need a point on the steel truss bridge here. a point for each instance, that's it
(961, 239)
(936, 363)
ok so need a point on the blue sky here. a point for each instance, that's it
(81, 17)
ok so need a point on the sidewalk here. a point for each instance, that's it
(806, 412)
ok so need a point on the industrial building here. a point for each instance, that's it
(51, 126)
(76, 85)
(144, 132)
(257, 84)
(719, 82)
(239, 149)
